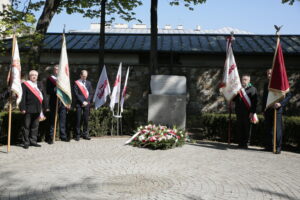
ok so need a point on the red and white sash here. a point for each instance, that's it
(247, 102)
(35, 90)
(53, 79)
(245, 98)
(83, 89)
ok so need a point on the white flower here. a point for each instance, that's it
(141, 138)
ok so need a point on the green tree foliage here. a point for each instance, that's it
(19, 18)
(291, 2)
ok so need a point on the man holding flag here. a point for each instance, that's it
(51, 90)
(275, 98)
(245, 109)
(63, 91)
(245, 97)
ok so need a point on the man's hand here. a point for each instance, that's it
(277, 105)
(23, 111)
(251, 115)
(85, 103)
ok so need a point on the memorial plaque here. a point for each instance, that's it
(167, 110)
(166, 84)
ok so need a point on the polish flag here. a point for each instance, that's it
(115, 96)
(124, 90)
(231, 84)
(102, 90)
(279, 83)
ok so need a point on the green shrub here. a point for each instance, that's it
(215, 127)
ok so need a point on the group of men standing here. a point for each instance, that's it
(245, 114)
(34, 102)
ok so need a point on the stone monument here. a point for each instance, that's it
(167, 101)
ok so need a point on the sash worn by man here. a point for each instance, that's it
(245, 109)
(31, 106)
(83, 94)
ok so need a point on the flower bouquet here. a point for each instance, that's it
(157, 137)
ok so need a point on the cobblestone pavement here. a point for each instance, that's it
(104, 168)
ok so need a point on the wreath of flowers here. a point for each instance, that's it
(158, 137)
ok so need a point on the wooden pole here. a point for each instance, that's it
(118, 117)
(229, 124)
(10, 98)
(55, 120)
(9, 125)
(274, 132)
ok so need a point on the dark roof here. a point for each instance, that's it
(180, 43)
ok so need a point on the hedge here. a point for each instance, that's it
(214, 126)
(100, 124)
(210, 126)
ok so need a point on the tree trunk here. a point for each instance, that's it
(153, 51)
(43, 23)
(102, 36)
(49, 11)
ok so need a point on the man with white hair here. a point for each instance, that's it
(31, 106)
(245, 109)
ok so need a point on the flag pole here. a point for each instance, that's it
(274, 135)
(55, 120)
(10, 98)
(229, 123)
(118, 115)
(230, 104)
(275, 112)
(56, 107)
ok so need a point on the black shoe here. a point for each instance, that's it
(278, 151)
(86, 137)
(64, 139)
(49, 141)
(25, 146)
(35, 145)
(77, 138)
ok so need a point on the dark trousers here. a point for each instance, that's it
(31, 128)
(82, 116)
(269, 128)
(62, 115)
(243, 128)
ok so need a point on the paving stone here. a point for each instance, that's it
(104, 168)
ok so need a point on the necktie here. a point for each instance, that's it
(83, 82)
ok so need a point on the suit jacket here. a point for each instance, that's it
(51, 91)
(79, 95)
(240, 106)
(3, 98)
(30, 102)
(283, 102)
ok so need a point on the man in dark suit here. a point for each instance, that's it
(62, 110)
(83, 95)
(31, 106)
(245, 109)
(269, 117)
